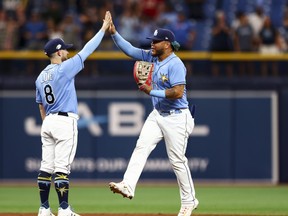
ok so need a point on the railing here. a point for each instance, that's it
(107, 69)
(184, 55)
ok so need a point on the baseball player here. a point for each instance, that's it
(56, 96)
(170, 119)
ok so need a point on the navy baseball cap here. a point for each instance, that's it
(54, 45)
(162, 35)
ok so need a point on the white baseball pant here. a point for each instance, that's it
(175, 129)
(59, 136)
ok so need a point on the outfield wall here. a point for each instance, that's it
(235, 138)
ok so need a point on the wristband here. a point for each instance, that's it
(158, 93)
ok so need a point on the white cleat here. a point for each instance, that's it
(45, 212)
(187, 210)
(66, 212)
(121, 188)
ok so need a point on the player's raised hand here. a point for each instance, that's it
(106, 21)
(112, 28)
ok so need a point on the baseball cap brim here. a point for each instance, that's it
(67, 46)
(154, 38)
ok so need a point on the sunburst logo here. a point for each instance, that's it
(164, 78)
(63, 190)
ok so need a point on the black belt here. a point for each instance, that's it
(176, 111)
(63, 114)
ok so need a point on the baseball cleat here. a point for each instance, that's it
(45, 212)
(187, 210)
(66, 212)
(121, 188)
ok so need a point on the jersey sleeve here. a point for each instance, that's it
(37, 94)
(177, 74)
(38, 97)
(130, 50)
(72, 66)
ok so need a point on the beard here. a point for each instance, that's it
(158, 53)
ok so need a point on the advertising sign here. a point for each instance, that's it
(235, 135)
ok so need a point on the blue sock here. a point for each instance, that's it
(44, 183)
(64, 205)
(45, 205)
(61, 183)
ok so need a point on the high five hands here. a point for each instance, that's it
(106, 21)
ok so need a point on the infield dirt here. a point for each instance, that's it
(99, 214)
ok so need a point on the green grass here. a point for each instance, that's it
(261, 200)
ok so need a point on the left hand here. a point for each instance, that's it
(145, 88)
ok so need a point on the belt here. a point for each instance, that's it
(169, 112)
(63, 114)
(67, 114)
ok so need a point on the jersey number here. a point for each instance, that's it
(49, 94)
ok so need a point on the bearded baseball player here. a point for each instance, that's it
(170, 119)
(56, 96)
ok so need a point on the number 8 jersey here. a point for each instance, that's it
(55, 86)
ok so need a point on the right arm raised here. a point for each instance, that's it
(94, 42)
(124, 45)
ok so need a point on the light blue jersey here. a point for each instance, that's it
(167, 73)
(55, 85)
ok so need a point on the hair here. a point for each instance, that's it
(175, 45)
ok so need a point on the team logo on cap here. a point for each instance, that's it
(155, 32)
(58, 47)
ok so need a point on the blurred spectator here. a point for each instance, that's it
(71, 30)
(244, 35)
(236, 22)
(2, 27)
(149, 8)
(243, 40)
(54, 12)
(147, 27)
(221, 41)
(37, 5)
(269, 38)
(283, 31)
(117, 8)
(195, 9)
(82, 5)
(256, 20)
(128, 22)
(177, 4)
(184, 31)
(8, 30)
(35, 35)
(90, 23)
(221, 34)
(270, 43)
(10, 6)
(76, 20)
(53, 30)
(21, 21)
(35, 32)
(167, 14)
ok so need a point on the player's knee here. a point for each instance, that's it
(61, 176)
(44, 177)
(43, 174)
